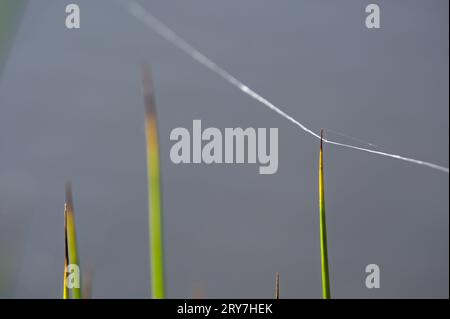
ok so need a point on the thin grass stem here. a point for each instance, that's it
(323, 228)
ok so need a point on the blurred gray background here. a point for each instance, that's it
(71, 107)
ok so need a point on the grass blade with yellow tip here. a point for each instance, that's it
(71, 245)
(154, 189)
(323, 228)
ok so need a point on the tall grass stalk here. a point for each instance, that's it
(154, 189)
(323, 227)
(66, 258)
(71, 243)
(277, 285)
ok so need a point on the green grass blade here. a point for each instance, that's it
(154, 189)
(66, 258)
(323, 229)
(72, 237)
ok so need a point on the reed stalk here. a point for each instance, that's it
(323, 227)
(71, 257)
(154, 189)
